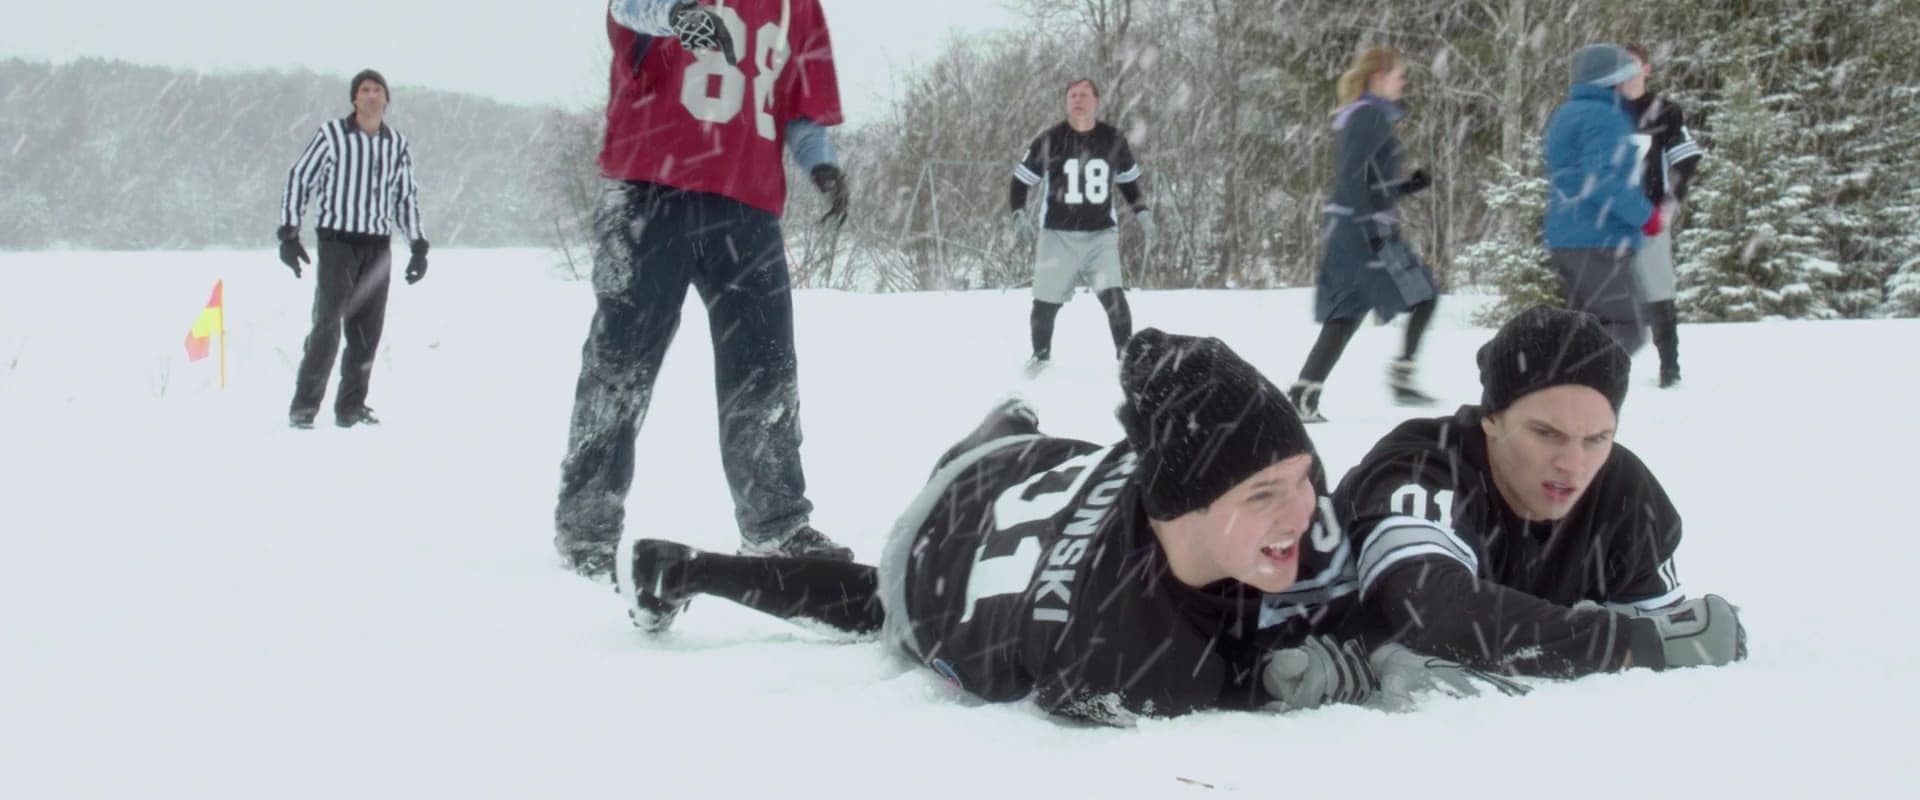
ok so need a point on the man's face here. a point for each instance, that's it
(1081, 102)
(1392, 84)
(1546, 447)
(370, 98)
(1632, 88)
(1254, 532)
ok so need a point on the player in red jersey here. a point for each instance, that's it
(702, 100)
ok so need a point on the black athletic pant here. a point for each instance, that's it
(1336, 333)
(1665, 322)
(841, 595)
(350, 295)
(654, 242)
(1119, 321)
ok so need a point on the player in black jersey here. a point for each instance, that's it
(1516, 536)
(1078, 163)
(1154, 576)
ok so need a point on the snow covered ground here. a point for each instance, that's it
(196, 601)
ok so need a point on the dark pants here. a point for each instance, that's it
(652, 243)
(350, 293)
(1600, 282)
(1336, 333)
(1665, 322)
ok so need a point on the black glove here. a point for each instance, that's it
(291, 253)
(832, 183)
(1704, 631)
(700, 28)
(1416, 183)
(417, 265)
(1372, 232)
(1319, 671)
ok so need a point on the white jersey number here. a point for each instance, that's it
(714, 90)
(1034, 500)
(1413, 501)
(1095, 173)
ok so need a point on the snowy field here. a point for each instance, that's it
(198, 602)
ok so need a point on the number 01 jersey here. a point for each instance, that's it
(692, 121)
(1081, 172)
(1035, 573)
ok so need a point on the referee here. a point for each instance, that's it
(362, 173)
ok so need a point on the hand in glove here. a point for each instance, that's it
(1403, 673)
(832, 183)
(1704, 631)
(1416, 182)
(1145, 218)
(1319, 671)
(291, 253)
(417, 265)
(700, 28)
(1018, 226)
(1656, 223)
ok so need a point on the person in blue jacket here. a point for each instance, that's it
(1597, 212)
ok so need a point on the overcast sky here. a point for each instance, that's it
(514, 50)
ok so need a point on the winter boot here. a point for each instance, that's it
(655, 583)
(1305, 396)
(806, 541)
(355, 416)
(1037, 364)
(1405, 391)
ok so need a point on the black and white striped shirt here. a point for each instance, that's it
(364, 182)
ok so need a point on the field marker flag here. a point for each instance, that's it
(211, 322)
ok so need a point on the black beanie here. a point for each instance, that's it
(1546, 347)
(353, 89)
(1202, 420)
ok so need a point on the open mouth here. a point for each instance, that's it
(1281, 553)
(1558, 492)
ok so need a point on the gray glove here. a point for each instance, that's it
(1704, 631)
(1145, 218)
(1018, 226)
(1404, 674)
(1319, 671)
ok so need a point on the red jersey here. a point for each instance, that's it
(692, 121)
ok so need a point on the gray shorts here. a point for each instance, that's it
(1653, 268)
(1063, 258)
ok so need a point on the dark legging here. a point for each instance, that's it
(1119, 321)
(1336, 333)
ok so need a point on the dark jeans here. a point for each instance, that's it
(1600, 282)
(350, 295)
(653, 242)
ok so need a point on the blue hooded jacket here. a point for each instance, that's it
(1593, 199)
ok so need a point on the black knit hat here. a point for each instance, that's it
(353, 89)
(1202, 420)
(1545, 347)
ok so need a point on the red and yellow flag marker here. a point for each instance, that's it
(211, 322)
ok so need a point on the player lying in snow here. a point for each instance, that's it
(1516, 536)
(1155, 576)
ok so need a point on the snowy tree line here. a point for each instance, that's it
(1805, 206)
(109, 155)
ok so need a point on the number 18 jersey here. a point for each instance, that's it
(692, 121)
(1082, 172)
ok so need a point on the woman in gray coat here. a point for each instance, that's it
(1367, 266)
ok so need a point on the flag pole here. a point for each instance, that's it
(223, 334)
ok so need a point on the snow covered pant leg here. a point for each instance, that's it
(366, 319)
(640, 273)
(839, 594)
(744, 282)
(1601, 282)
